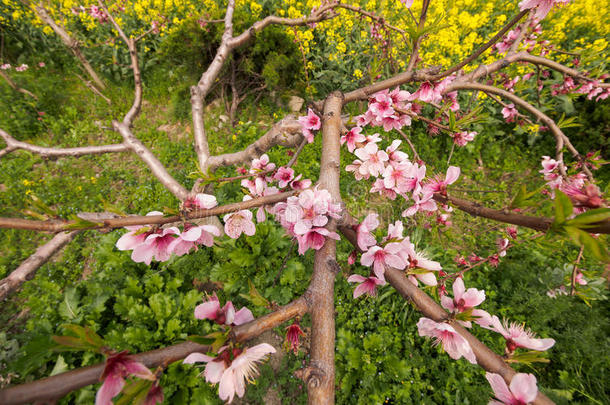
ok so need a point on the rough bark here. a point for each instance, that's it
(320, 374)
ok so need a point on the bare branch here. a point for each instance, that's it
(69, 42)
(321, 376)
(286, 132)
(94, 89)
(15, 87)
(415, 51)
(102, 222)
(28, 268)
(135, 66)
(483, 48)
(59, 385)
(537, 223)
(13, 145)
(560, 138)
(151, 160)
(486, 358)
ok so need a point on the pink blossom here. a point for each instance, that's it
(517, 336)
(156, 245)
(580, 279)
(192, 236)
(238, 223)
(440, 186)
(453, 343)
(310, 122)
(462, 138)
(379, 187)
(226, 315)
(512, 232)
(5, 66)
(231, 373)
(363, 231)
(368, 285)
(352, 137)
(585, 197)
(407, 3)
(373, 160)
(314, 239)
(22, 68)
(154, 395)
(398, 177)
(394, 154)
(465, 300)
(262, 164)
(202, 201)
(510, 113)
(542, 6)
(381, 257)
(284, 175)
(351, 259)
(298, 184)
(522, 389)
(41, 64)
(422, 202)
(427, 93)
(414, 177)
(118, 367)
(418, 262)
(381, 106)
(502, 244)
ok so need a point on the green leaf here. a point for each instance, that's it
(68, 308)
(134, 392)
(202, 340)
(590, 217)
(254, 296)
(60, 366)
(583, 238)
(563, 207)
(528, 357)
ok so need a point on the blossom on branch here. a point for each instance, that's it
(367, 285)
(226, 315)
(310, 122)
(465, 301)
(453, 343)
(118, 367)
(239, 222)
(517, 336)
(522, 389)
(231, 368)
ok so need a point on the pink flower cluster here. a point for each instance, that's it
(148, 242)
(310, 122)
(231, 368)
(22, 68)
(590, 88)
(305, 216)
(394, 251)
(462, 308)
(584, 195)
(385, 110)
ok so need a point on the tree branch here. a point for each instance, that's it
(151, 160)
(486, 358)
(320, 374)
(537, 223)
(560, 138)
(61, 384)
(286, 132)
(103, 222)
(483, 48)
(15, 87)
(28, 268)
(69, 42)
(13, 145)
